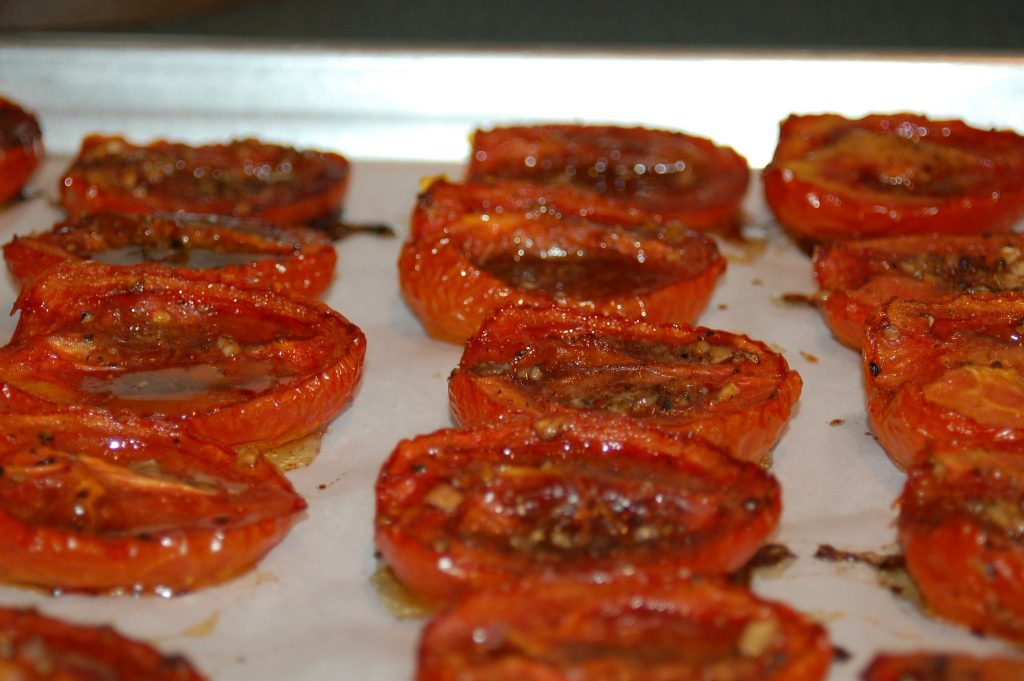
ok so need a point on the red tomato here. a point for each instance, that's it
(590, 496)
(942, 667)
(945, 374)
(529, 362)
(486, 256)
(38, 648)
(446, 202)
(666, 176)
(621, 630)
(21, 148)
(858, 276)
(244, 178)
(247, 368)
(241, 252)
(102, 503)
(833, 178)
(960, 524)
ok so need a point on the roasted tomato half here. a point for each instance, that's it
(625, 630)
(961, 524)
(248, 253)
(833, 178)
(251, 369)
(244, 178)
(942, 667)
(590, 496)
(856, 277)
(665, 176)
(487, 256)
(39, 648)
(102, 503)
(21, 148)
(944, 374)
(530, 362)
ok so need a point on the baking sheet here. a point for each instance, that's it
(309, 611)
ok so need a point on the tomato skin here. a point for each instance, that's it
(445, 522)
(833, 178)
(95, 502)
(40, 648)
(600, 160)
(453, 277)
(945, 374)
(444, 202)
(114, 175)
(293, 258)
(859, 276)
(575, 348)
(258, 369)
(959, 526)
(942, 667)
(21, 148)
(626, 630)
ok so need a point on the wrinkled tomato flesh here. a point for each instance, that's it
(857, 277)
(590, 496)
(21, 148)
(101, 503)
(244, 178)
(240, 252)
(626, 630)
(530, 362)
(665, 176)
(942, 667)
(834, 178)
(961, 525)
(945, 374)
(486, 256)
(40, 648)
(248, 368)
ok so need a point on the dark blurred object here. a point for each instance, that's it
(873, 24)
(87, 14)
(940, 25)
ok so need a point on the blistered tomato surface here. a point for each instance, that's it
(102, 503)
(945, 374)
(960, 525)
(665, 176)
(590, 497)
(926, 666)
(243, 178)
(529, 362)
(21, 148)
(833, 178)
(624, 630)
(249, 368)
(857, 277)
(248, 253)
(468, 256)
(40, 648)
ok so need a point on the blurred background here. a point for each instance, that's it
(975, 26)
